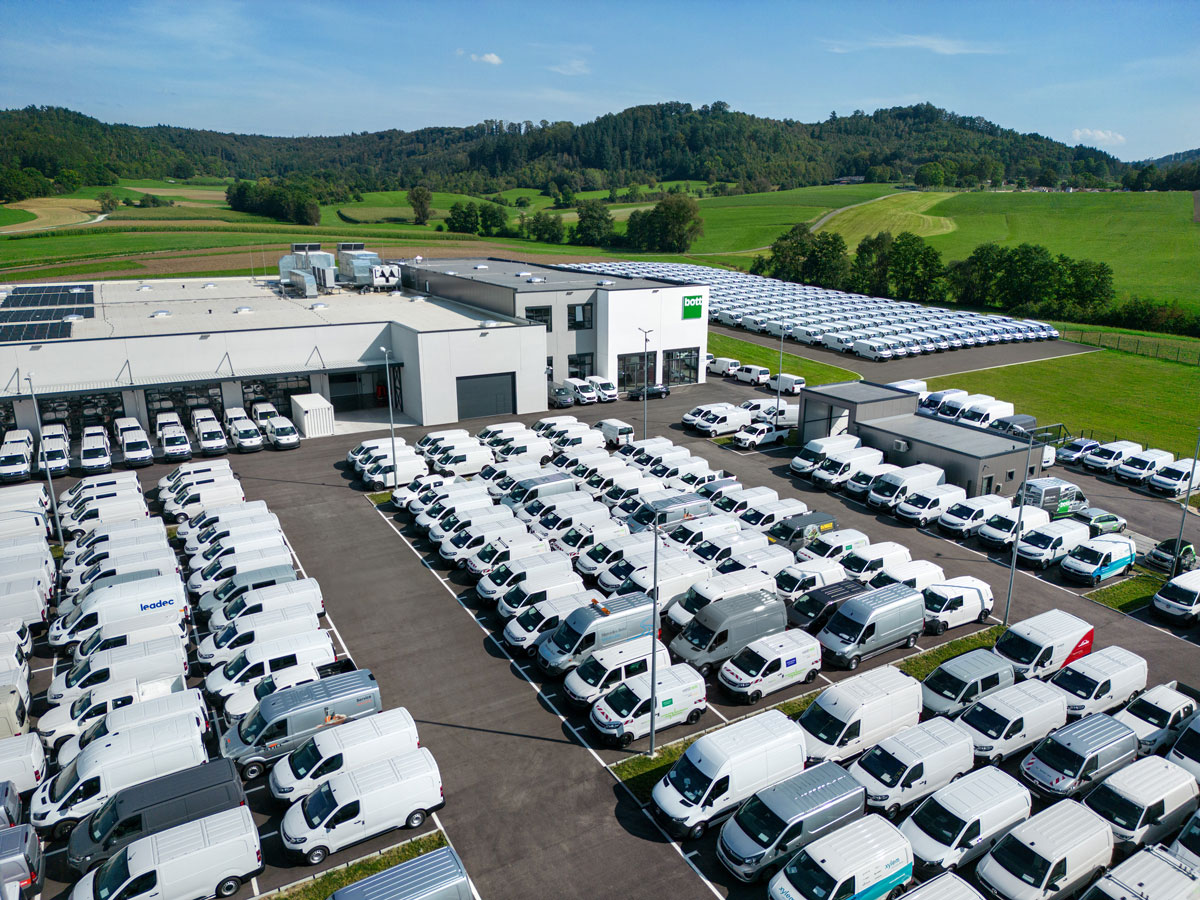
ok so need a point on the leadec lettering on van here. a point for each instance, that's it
(157, 604)
(693, 306)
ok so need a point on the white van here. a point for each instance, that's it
(911, 764)
(23, 762)
(1000, 529)
(499, 551)
(709, 589)
(1179, 598)
(1101, 680)
(465, 462)
(137, 718)
(59, 723)
(957, 601)
(264, 539)
(868, 857)
(623, 714)
(1107, 457)
(1140, 467)
(691, 533)
(1039, 646)
(1099, 558)
(184, 505)
(582, 392)
(301, 592)
(231, 529)
(219, 570)
(816, 450)
(121, 601)
(981, 415)
(770, 664)
(964, 518)
(133, 560)
(525, 632)
(963, 820)
(786, 384)
(192, 471)
(220, 647)
(929, 504)
(139, 629)
(224, 514)
(263, 659)
(358, 804)
(602, 670)
(159, 658)
(76, 523)
(539, 586)
(1053, 854)
(859, 485)
(509, 574)
(859, 712)
(1175, 479)
(122, 546)
(725, 767)
(892, 489)
(343, 748)
(1013, 719)
(1050, 543)
(601, 556)
(838, 468)
(606, 391)
(864, 562)
(833, 546)
(1145, 802)
(953, 406)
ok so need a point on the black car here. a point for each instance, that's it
(652, 392)
(560, 398)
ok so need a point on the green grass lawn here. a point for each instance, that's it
(187, 213)
(757, 355)
(905, 211)
(15, 216)
(1111, 393)
(1131, 594)
(922, 664)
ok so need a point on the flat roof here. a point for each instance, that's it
(977, 442)
(515, 274)
(858, 391)
(128, 309)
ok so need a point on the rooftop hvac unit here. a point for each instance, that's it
(350, 245)
(306, 248)
(900, 446)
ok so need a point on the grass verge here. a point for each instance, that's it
(1131, 594)
(922, 664)
(757, 355)
(324, 885)
(641, 773)
(380, 497)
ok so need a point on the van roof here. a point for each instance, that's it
(982, 789)
(785, 642)
(975, 664)
(176, 844)
(677, 676)
(1104, 663)
(721, 610)
(946, 886)
(1063, 526)
(137, 741)
(187, 781)
(384, 775)
(381, 724)
(1062, 823)
(840, 851)
(1047, 626)
(1090, 733)
(861, 606)
(867, 686)
(715, 748)
(421, 876)
(314, 692)
(808, 790)
(1019, 699)
(1148, 778)
(306, 640)
(1152, 873)
(926, 738)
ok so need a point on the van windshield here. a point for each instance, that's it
(592, 672)
(944, 684)
(1177, 593)
(97, 729)
(1020, 861)
(688, 780)
(1059, 758)
(573, 537)
(883, 767)
(1075, 682)
(1089, 556)
(622, 701)
(111, 876)
(644, 516)
(566, 637)
(820, 548)
(225, 590)
(938, 822)
(13, 459)
(79, 671)
(1001, 523)
(227, 634)
(808, 878)
(1121, 811)
(234, 667)
(1040, 539)
(862, 478)
(104, 819)
(1019, 649)
(250, 729)
(1190, 836)
(319, 805)
(304, 758)
(698, 634)
(707, 550)
(749, 662)
(264, 687)
(759, 822)
(960, 511)
(985, 720)
(822, 725)
(64, 781)
(844, 627)
(885, 487)
(88, 453)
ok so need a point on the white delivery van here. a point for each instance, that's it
(911, 764)
(1145, 802)
(957, 601)
(593, 628)
(508, 575)
(1049, 544)
(123, 600)
(1107, 457)
(623, 714)
(794, 582)
(918, 574)
(764, 515)
(1179, 598)
(220, 647)
(1053, 854)
(735, 502)
(133, 560)
(159, 658)
(471, 540)
(600, 671)
(77, 523)
(225, 514)
(859, 712)
(786, 384)
(182, 506)
(892, 489)
(23, 762)
(265, 539)
(691, 533)
(711, 588)
(223, 531)
(1013, 719)
(981, 415)
(858, 486)
(1039, 646)
(1099, 558)
(220, 570)
(1159, 715)
(833, 546)
(526, 631)
(138, 629)
(964, 518)
(816, 450)
(725, 767)
(125, 545)
(927, 505)
(864, 562)
(1101, 680)
(869, 856)
(931, 403)
(1175, 479)
(539, 586)
(838, 468)
(500, 551)
(1002, 528)
(606, 391)
(1140, 467)
(59, 723)
(136, 717)
(770, 664)
(611, 551)
(952, 407)
(264, 659)
(716, 550)
(343, 748)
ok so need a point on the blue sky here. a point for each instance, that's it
(1121, 76)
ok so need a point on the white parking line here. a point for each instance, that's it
(328, 618)
(438, 823)
(719, 714)
(254, 885)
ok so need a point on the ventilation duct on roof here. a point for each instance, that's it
(243, 310)
(160, 314)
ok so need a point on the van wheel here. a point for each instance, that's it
(626, 739)
(697, 831)
(694, 716)
(996, 760)
(912, 641)
(229, 886)
(754, 697)
(983, 616)
(1095, 579)
(852, 663)
(897, 891)
(63, 828)
(939, 627)
(316, 856)
(705, 670)
(415, 819)
(811, 676)
(180, 518)
(892, 811)
(253, 770)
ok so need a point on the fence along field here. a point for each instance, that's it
(1175, 350)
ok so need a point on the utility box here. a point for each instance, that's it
(312, 414)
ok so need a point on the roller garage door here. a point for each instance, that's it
(487, 395)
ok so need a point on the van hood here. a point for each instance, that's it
(207, 649)
(673, 806)
(54, 720)
(68, 751)
(216, 682)
(58, 690)
(926, 849)
(998, 881)
(1053, 782)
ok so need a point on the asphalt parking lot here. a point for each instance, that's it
(529, 806)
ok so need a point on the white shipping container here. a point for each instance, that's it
(312, 415)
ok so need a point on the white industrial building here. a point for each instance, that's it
(458, 349)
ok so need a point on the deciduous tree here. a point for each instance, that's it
(420, 198)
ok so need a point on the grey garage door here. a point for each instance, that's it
(487, 395)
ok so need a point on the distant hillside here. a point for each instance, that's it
(1174, 159)
(50, 149)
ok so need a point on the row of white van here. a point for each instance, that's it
(1155, 470)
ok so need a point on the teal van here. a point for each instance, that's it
(1100, 558)
(866, 860)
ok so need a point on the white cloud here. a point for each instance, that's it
(490, 58)
(933, 43)
(574, 66)
(1097, 137)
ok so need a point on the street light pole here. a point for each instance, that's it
(646, 332)
(42, 459)
(1183, 511)
(1012, 565)
(654, 644)
(779, 379)
(387, 374)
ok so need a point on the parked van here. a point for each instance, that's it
(722, 628)
(716, 550)
(918, 574)
(981, 415)
(953, 406)
(554, 524)
(225, 514)
(735, 502)
(963, 820)
(1159, 715)
(108, 765)
(1179, 598)
(815, 452)
(14, 706)
(138, 717)
(1053, 854)
(1107, 457)
(182, 506)
(1144, 802)
(1139, 467)
(152, 807)
(769, 664)
(929, 504)
(722, 769)
(22, 863)
(1039, 646)
(303, 592)
(263, 538)
(786, 384)
(1050, 543)
(957, 601)
(723, 365)
(539, 487)
(961, 680)
(134, 559)
(858, 485)
(221, 646)
(285, 719)
(98, 483)
(392, 793)
(76, 523)
(710, 589)
(859, 712)
(527, 630)
(436, 875)
(1012, 719)
(593, 628)
(133, 630)
(910, 765)
(239, 584)
(1073, 760)
(433, 500)
(838, 468)
(780, 819)
(223, 569)
(514, 572)
(16, 462)
(1002, 528)
(500, 551)
(833, 546)
(23, 762)
(864, 562)
(263, 659)
(668, 509)
(611, 551)
(1094, 560)
(869, 856)
(122, 546)
(1175, 479)
(873, 623)
(1101, 680)
(623, 714)
(964, 518)
(536, 588)
(1154, 873)
(893, 488)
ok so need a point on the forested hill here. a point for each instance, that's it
(638, 145)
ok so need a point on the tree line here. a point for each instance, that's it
(288, 203)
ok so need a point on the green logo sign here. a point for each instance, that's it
(693, 307)
(667, 703)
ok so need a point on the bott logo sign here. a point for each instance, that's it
(693, 307)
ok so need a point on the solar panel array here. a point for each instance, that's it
(17, 316)
(36, 331)
(49, 295)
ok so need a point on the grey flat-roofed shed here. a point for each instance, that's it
(835, 408)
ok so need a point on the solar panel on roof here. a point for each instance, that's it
(35, 331)
(45, 295)
(32, 314)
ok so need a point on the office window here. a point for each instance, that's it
(543, 314)
(1012, 473)
(631, 369)
(681, 366)
(579, 316)
(581, 365)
